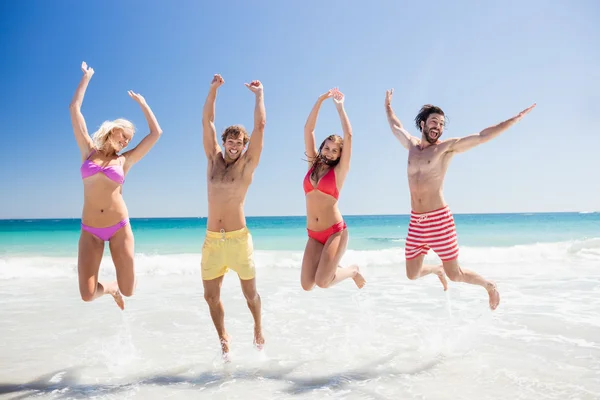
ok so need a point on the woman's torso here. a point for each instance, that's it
(321, 199)
(103, 178)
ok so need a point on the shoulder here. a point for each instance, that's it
(446, 146)
(414, 141)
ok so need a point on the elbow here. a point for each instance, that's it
(207, 119)
(262, 123)
(158, 132)
(74, 106)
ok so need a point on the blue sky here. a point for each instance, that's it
(482, 63)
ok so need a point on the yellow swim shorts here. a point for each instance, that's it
(223, 251)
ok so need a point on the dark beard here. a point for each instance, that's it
(429, 139)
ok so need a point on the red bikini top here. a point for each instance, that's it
(327, 184)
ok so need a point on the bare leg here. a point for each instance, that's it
(212, 295)
(329, 272)
(457, 274)
(415, 269)
(349, 272)
(310, 261)
(91, 249)
(122, 250)
(254, 304)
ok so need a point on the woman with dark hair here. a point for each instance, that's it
(327, 171)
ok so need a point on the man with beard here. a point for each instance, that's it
(431, 222)
(228, 243)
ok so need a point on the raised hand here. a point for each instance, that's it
(327, 94)
(217, 81)
(388, 97)
(88, 72)
(524, 112)
(137, 97)
(255, 86)
(338, 97)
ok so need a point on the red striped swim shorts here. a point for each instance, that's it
(432, 230)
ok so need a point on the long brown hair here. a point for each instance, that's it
(318, 159)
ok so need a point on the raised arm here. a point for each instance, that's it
(344, 165)
(463, 144)
(309, 127)
(79, 127)
(398, 130)
(138, 152)
(260, 120)
(209, 132)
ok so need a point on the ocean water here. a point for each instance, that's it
(393, 339)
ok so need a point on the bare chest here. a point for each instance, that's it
(430, 161)
(225, 176)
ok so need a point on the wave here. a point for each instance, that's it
(386, 239)
(538, 256)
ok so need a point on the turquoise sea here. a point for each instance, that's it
(393, 339)
(59, 237)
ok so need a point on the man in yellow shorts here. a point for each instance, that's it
(228, 243)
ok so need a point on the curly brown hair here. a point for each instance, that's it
(425, 112)
(235, 132)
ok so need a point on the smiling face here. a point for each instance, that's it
(233, 148)
(431, 121)
(234, 139)
(433, 128)
(330, 151)
(120, 138)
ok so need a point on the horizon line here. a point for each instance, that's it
(303, 215)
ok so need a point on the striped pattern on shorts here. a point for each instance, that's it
(432, 230)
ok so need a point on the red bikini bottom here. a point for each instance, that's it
(322, 236)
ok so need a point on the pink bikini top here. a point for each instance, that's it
(113, 172)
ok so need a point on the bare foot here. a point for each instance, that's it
(359, 279)
(494, 295)
(442, 277)
(225, 345)
(259, 340)
(113, 290)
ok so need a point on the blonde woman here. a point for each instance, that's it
(105, 217)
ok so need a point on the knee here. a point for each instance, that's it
(323, 282)
(212, 298)
(251, 296)
(86, 295)
(454, 275)
(412, 274)
(307, 285)
(127, 288)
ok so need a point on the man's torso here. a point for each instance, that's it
(227, 188)
(426, 172)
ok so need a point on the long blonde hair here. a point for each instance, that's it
(102, 135)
